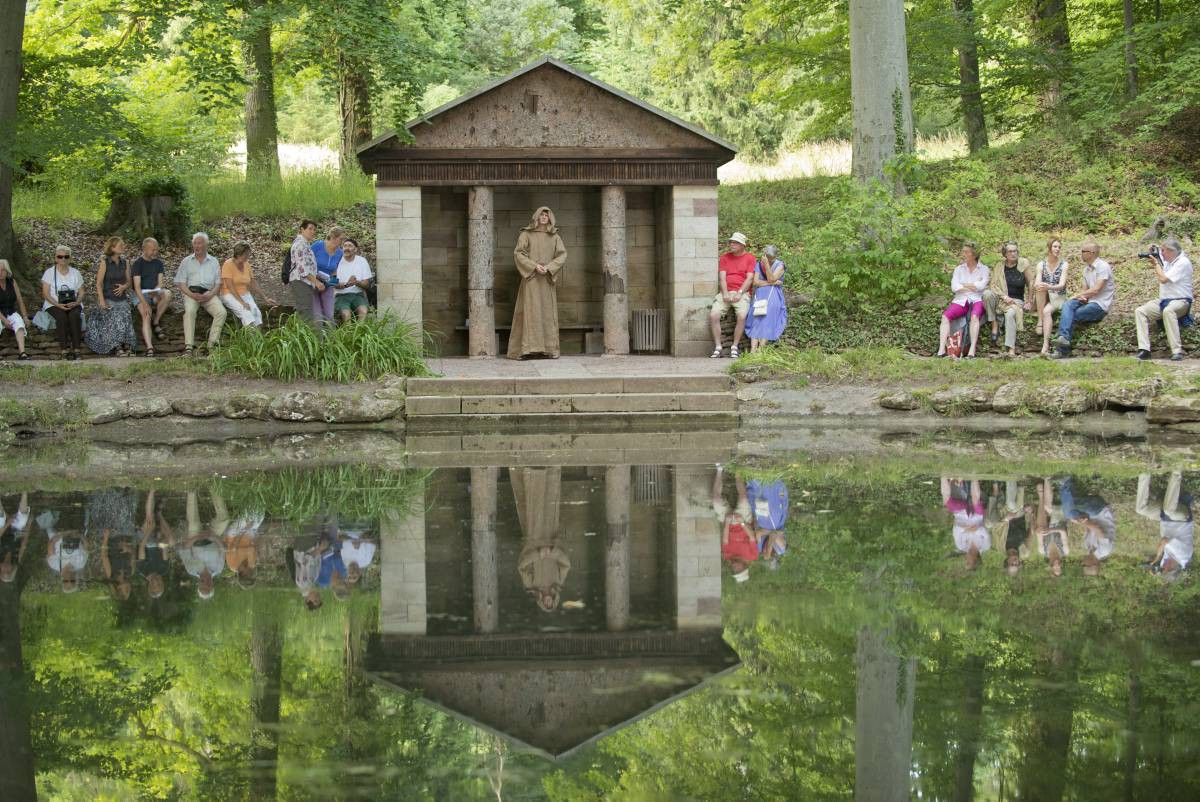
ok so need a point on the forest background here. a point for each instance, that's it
(1032, 117)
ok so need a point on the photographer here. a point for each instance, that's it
(1173, 270)
(60, 293)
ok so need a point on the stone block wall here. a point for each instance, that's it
(402, 608)
(687, 254)
(697, 549)
(398, 258)
(581, 287)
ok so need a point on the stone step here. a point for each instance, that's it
(575, 385)
(594, 422)
(417, 405)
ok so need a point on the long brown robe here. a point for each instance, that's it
(543, 564)
(535, 318)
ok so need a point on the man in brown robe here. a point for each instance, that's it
(543, 564)
(540, 256)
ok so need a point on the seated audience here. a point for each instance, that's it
(110, 326)
(198, 280)
(328, 255)
(768, 311)
(62, 299)
(14, 316)
(239, 286)
(353, 278)
(149, 292)
(1051, 289)
(967, 283)
(1009, 296)
(1173, 308)
(735, 274)
(1089, 306)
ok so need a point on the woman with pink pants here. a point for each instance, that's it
(969, 281)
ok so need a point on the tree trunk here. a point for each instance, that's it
(1047, 745)
(1131, 76)
(354, 107)
(266, 659)
(262, 130)
(12, 31)
(969, 90)
(1129, 750)
(16, 743)
(883, 720)
(970, 727)
(879, 91)
(1050, 30)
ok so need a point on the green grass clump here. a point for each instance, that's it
(302, 494)
(61, 373)
(315, 194)
(379, 346)
(46, 414)
(871, 364)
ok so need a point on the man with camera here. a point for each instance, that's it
(1173, 270)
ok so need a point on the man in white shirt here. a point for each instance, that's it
(199, 281)
(1175, 524)
(353, 277)
(1091, 305)
(1173, 270)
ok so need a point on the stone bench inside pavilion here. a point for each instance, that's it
(633, 189)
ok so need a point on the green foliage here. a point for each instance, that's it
(46, 414)
(129, 191)
(315, 193)
(357, 351)
(876, 248)
(357, 492)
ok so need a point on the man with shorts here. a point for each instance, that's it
(735, 275)
(148, 292)
(353, 277)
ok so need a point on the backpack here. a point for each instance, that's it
(287, 266)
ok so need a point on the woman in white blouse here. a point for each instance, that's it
(969, 281)
(1050, 288)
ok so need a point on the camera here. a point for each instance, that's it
(1153, 253)
(66, 295)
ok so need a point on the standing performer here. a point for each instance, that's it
(540, 256)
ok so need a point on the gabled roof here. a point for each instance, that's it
(548, 60)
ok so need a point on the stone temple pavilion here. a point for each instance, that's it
(633, 189)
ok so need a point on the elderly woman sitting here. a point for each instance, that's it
(14, 316)
(968, 283)
(1009, 296)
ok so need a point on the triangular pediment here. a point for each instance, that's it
(551, 105)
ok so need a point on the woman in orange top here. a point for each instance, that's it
(239, 287)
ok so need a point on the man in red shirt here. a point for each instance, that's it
(739, 546)
(735, 275)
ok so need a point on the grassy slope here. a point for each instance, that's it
(1045, 189)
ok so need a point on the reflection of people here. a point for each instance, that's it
(152, 560)
(1051, 529)
(543, 564)
(1176, 528)
(769, 502)
(66, 552)
(202, 552)
(305, 565)
(965, 502)
(1007, 516)
(108, 517)
(1096, 517)
(357, 553)
(540, 256)
(241, 546)
(14, 537)
(739, 547)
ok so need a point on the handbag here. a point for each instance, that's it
(954, 345)
(760, 308)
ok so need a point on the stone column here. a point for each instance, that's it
(481, 273)
(692, 268)
(484, 566)
(697, 549)
(616, 557)
(402, 571)
(616, 271)
(398, 251)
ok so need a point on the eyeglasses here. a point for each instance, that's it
(62, 256)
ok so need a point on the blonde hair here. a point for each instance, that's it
(110, 245)
(5, 266)
(1050, 243)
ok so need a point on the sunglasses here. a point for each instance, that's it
(60, 256)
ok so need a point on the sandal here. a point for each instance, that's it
(158, 332)
(733, 352)
(149, 351)
(22, 356)
(188, 350)
(716, 354)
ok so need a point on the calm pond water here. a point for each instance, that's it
(584, 632)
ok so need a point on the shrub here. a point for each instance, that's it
(156, 206)
(357, 351)
(875, 249)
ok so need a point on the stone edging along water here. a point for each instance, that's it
(297, 406)
(1162, 402)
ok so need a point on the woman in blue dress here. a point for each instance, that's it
(768, 312)
(769, 501)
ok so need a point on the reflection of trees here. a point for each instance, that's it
(16, 746)
(266, 660)
(1046, 741)
(883, 718)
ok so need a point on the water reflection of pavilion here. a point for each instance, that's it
(636, 624)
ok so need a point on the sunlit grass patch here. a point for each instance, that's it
(314, 193)
(61, 373)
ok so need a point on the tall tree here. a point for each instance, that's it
(354, 107)
(883, 718)
(1052, 33)
(1131, 76)
(262, 130)
(12, 31)
(879, 90)
(969, 90)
